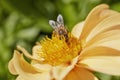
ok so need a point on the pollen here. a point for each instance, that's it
(56, 50)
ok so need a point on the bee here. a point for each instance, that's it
(59, 28)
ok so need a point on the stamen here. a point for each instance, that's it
(56, 51)
(62, 47)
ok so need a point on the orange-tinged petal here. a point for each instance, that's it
(80, 74)
(110, 40)
(104, 64)
(99, 51)
(104, 37)
(107, 43)
(105, 25)
(26, 71)
(104, 44)
(77, 29)
(59, 72)
(97, 15)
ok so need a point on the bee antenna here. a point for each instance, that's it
(60, 19)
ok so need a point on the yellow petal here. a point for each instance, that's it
(104, 44)
(109, 39)
(19, 78)
(98, 14)
(26, 71)
(41, 67)
(11, 67)
(28, 55)
(113, 41)
(99, 51)
(20, 64)
(36, 52)
(24, 52)
(105, 37)
(59, 72)
(43, 76)
(77, 29)
(104, 64)
(80, 74)
(110, 22)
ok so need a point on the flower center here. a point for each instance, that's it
(57, 50)
(62, 47)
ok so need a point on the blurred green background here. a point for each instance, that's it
(24, 22)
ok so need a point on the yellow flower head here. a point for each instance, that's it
(62, 47)
(92, 45)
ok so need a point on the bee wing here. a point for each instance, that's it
(53, 24)
(60, 19)
(58, 23)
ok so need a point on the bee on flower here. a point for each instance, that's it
(92, 45)
(59, 28)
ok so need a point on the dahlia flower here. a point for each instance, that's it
(92, 45)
